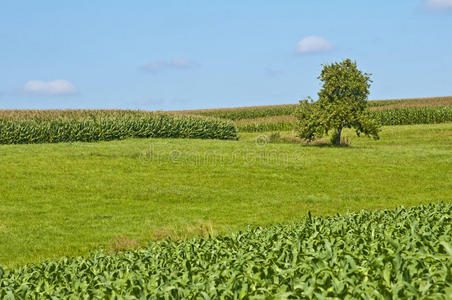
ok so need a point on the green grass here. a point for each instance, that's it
(72, 198)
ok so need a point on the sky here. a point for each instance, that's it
(170, 55)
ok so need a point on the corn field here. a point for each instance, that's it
(253, 112)
(241, 113)
(389, 254)
(28, 127)
(414, 115)
(52, 126)
(386, 117)
(413, 102)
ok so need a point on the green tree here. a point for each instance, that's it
(342, 104)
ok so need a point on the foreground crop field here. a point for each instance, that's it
(375, 255)
(72, 198)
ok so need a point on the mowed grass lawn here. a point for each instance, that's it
(72, 198)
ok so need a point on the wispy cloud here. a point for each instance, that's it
(273, 72)
(313, 44)
(174, 64)
(57, 87)
(438, 5)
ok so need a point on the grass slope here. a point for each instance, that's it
(71, 198)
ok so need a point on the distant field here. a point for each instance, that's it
(280, 117)
(412, 102)
(404, 115)
(53, 126)
(72, 198)
(252, 112)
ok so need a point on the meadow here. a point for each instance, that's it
(71, 198)
(92, 193)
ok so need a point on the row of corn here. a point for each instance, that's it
(99, 126)
(387, 117)
(253, 112)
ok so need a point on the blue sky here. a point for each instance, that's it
(198, 54)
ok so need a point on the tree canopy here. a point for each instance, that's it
(342, 103)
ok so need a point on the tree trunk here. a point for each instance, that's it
(338, 136)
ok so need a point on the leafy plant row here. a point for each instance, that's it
(390, 254)
(100, 126)
(414, 115)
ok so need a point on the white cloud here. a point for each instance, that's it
(438, 4)
(54, 88)
(313, 44)
(177, 63)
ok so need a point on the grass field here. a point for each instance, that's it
(72, 198)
